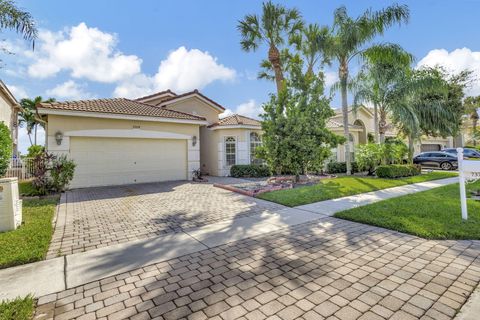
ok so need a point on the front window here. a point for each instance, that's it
(230, 151)
(255, 142)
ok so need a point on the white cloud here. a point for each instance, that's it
(84, 52)
(69, 90)
(456, 61)
(249, 109)
(17, 91)
(183, 70)
(330, 78)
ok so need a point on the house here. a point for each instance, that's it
(9, 108)
(160, 137)
(361, 125)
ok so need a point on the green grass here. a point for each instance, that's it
(344, 186)
(30, 241)
(432, 214)
(17, 309)
(26, 189)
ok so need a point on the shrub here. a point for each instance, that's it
(5, 148)
(393, 171)
(249, 171)
(52, 173)
(369, 156)
(62, 171)
(340, 167)
(34, 150)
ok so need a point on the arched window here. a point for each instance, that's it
(230, 151)
(255, 142)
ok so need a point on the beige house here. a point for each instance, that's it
(9, 108)
(159, 137)
(362, 124)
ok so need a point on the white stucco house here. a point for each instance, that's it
(9, 109)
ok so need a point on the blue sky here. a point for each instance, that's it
(97, 49)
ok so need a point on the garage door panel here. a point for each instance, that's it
(111, 161)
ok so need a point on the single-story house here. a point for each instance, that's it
(9, 109)
(160, 137)
(361, 124)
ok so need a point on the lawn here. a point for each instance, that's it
(30, 242)
(344, 186)
(432, 214)
(18, 309)
(26, 188)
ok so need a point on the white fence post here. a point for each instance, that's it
(461, 176)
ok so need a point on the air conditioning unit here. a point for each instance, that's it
(10, 205)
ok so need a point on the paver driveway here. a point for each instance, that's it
(328, 268)
(99, 217)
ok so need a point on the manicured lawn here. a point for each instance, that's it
(344, 186)
(432, 214)
(30, 242)
(18, 309)
(26, 189)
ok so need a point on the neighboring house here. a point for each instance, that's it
(159, 137)
(362, 124)
(9, 108)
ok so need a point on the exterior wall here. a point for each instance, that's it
(76, 126)
(9, 117)
(197, 107)
(214, 149)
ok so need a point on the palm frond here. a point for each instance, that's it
(18, 20)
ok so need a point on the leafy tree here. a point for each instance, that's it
(369, 156)
(295, 136)
(347, 41)
(472, 104)
(29, 116)
(274, 27)
(35, 150)
(5, 148)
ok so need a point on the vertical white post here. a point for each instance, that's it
(461, 176)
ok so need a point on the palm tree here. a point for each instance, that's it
(472, 104)
(29, 115)
(347, 41)
(273, 28)
(384, 67)
(13, 18)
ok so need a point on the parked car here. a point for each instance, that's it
(439, 159)
(467, 152)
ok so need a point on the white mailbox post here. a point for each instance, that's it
(468, 171)
(10, 205)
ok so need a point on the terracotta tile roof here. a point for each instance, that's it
(161, 93)
(170, 99)
(119, 106)
(331, 124)
(236, 120)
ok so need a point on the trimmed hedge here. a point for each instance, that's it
(341, 167)
(249, 171)
(392, 171)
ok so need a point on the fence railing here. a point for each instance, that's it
(21, 168)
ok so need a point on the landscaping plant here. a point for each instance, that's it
(393, 171)
(5, 148)
(369, 156)
(52, 173)
(249, 171)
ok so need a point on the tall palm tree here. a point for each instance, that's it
(348, 38)
(13, 18)
(384, 67)
(274, 27)
(472, 104)
(29, 115)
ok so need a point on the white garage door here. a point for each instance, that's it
(114, 161)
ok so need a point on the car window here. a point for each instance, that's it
(439, 155)
(469, 152)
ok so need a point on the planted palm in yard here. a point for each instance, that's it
(433, 214)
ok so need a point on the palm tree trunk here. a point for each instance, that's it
(410, 149)
(474, 124)
(274, 58)
(343, 75)
(375, 120)
(35, 135)
(382, 125)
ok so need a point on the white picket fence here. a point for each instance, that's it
(22, 169)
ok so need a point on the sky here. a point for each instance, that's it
(117, 48)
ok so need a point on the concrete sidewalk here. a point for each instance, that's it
(50, 276)
(330, 207)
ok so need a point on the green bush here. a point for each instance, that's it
(369, 156)
(393, 171)
(62, 172)
(52, 173)
(340, 167)
(34, 150)
(249, 171)
(5, 148)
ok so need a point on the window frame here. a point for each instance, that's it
(226, 150)
(253, 145)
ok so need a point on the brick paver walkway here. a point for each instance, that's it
(328, 269)
(99, 217)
